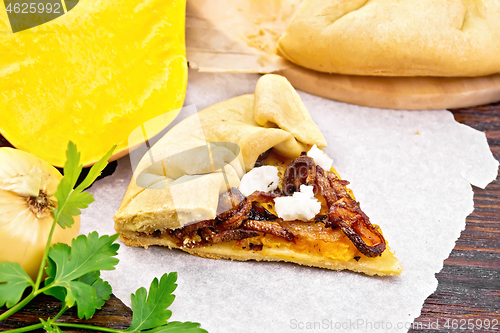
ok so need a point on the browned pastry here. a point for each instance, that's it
(192, 202)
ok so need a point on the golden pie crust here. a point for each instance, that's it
(171, 189)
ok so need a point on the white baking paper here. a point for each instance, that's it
(412, 173)
(237, 36)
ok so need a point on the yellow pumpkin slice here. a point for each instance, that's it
(92, 76)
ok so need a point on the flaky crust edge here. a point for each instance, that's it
(385, 265)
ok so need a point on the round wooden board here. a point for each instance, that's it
(404, 93)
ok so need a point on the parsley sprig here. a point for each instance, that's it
(73, 272)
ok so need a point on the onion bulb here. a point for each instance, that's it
(27, 188)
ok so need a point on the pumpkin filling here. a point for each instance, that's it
(339, 231)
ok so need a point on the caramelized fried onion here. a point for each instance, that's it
(269, 228)
(301, 171)
(243, 218)
(243, 211)
(213, 237)
(239, 218)
(345, 212)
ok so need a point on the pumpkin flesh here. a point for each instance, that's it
(92, 76)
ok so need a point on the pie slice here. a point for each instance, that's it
(244, 179)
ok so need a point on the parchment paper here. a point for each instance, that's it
(237, 36)
(412, 173)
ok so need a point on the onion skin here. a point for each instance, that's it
(25, 228)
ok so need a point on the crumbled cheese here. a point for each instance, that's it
(301, 206)
(320, 158)
(264, 178)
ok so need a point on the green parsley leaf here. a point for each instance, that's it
(86, 254)
(84, 296)
(95, 171)
(71, 201)
(50, 270)
(75, 202)
(149, 311)
(102, 288)
(13, 283)
(178, 327)
(89, 292)
(72, 169)
(72, 271)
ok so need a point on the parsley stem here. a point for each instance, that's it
(46, 251)
(61, 312)
(26, 328)
(18, 306)
(88, 327)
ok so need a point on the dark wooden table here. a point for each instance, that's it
(469, 283)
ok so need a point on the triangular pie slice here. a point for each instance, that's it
(186, 192)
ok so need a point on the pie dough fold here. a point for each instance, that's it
(178, 181)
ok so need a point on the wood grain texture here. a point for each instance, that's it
(469, 283)
(113, 315)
